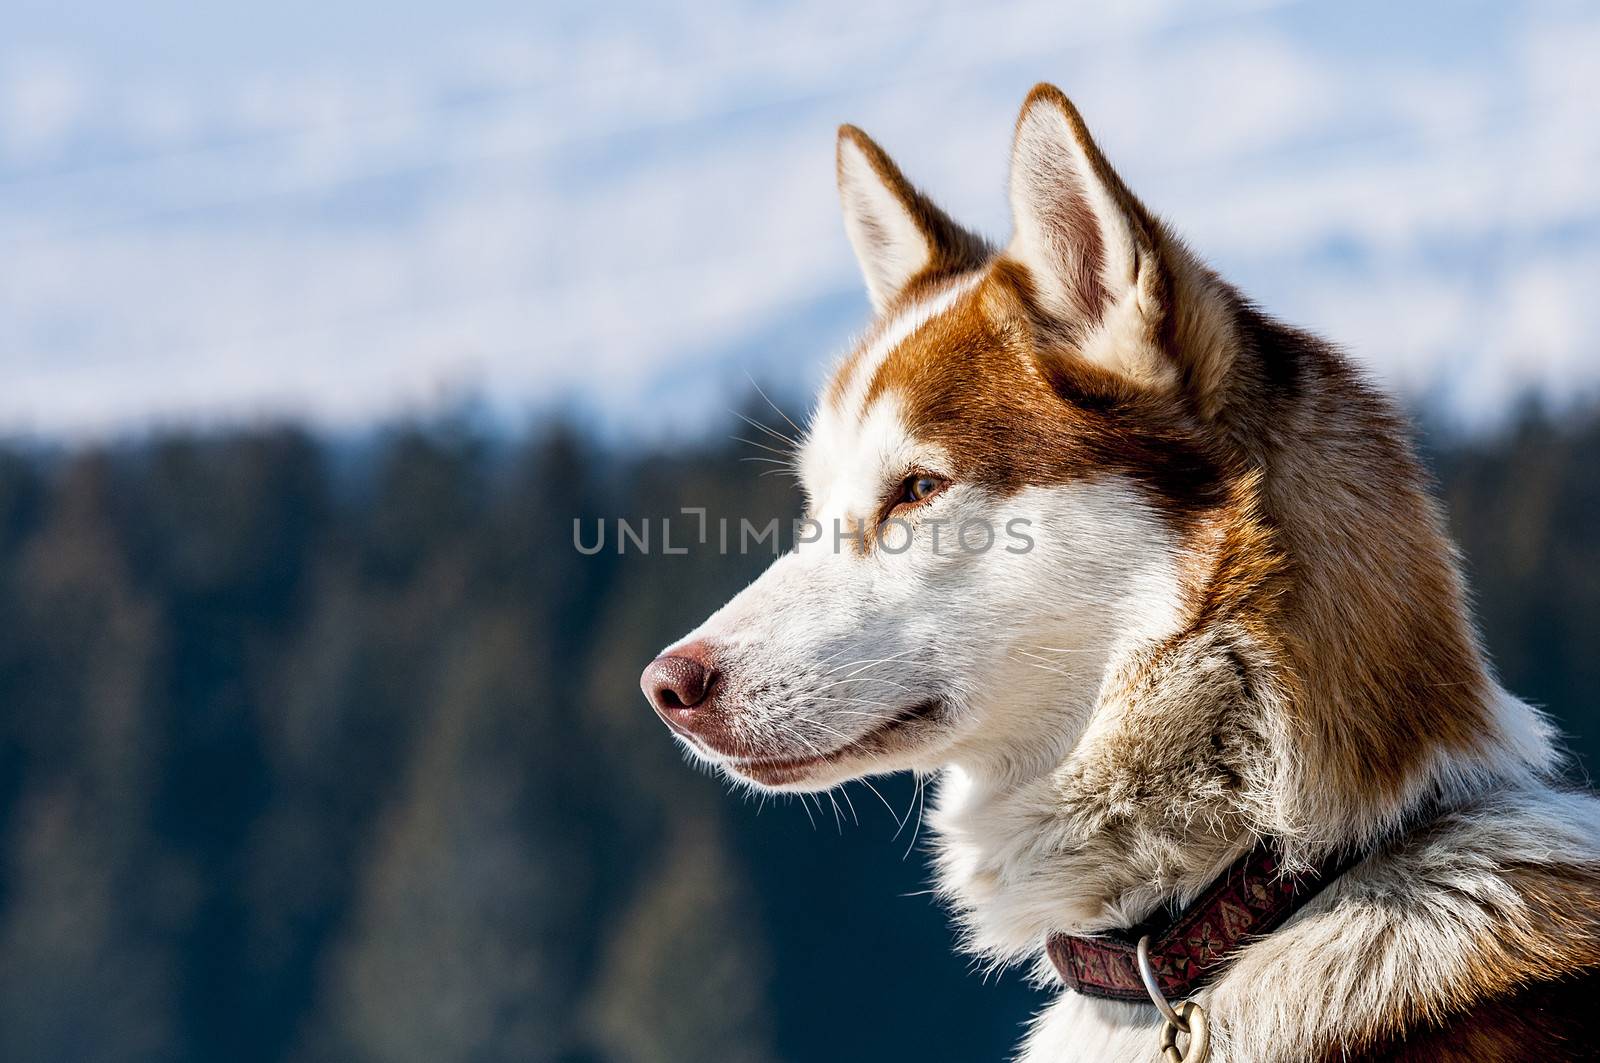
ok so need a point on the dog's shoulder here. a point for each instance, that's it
(1555, 1021)
(1477, 938)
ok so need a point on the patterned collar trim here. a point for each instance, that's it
(1253, 897)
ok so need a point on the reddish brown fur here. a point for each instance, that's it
(1290, 448)
(1550, 1022)
(1530, 995)
(973, 381)
(1312, 538)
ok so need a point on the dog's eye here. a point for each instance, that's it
(920, 488)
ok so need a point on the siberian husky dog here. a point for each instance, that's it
(1217, 616)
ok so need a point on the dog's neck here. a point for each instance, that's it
(1181, 769)
(1322, 685)
(1135, 815)
(1239, 724)
(1191, 754)
(1146, 811)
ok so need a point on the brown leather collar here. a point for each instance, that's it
(1188, 948)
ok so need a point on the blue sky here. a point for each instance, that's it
(220, 212)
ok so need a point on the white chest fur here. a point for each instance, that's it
(1079, 1029)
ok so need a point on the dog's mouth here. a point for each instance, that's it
(887, 737)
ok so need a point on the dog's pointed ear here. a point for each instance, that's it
(1100, 267)
(899, 234)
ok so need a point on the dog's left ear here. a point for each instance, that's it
(899, 235)
(1102, 271)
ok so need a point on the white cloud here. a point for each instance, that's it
(595, 209)
(43, 97)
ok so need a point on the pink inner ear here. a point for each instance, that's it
(1073, 232)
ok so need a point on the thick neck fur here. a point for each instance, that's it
(1498, 895)
(1326, 690)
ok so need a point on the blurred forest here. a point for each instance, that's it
(333, 751)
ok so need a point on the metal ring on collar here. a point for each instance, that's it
(1151, 986)
(1199, 1048)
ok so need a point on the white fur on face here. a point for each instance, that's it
(1011, 642)
(833, 429)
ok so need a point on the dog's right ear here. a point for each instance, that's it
(899, 235)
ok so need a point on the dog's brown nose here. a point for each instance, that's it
(679, 685)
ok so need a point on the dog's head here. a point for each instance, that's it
(1009, 479)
